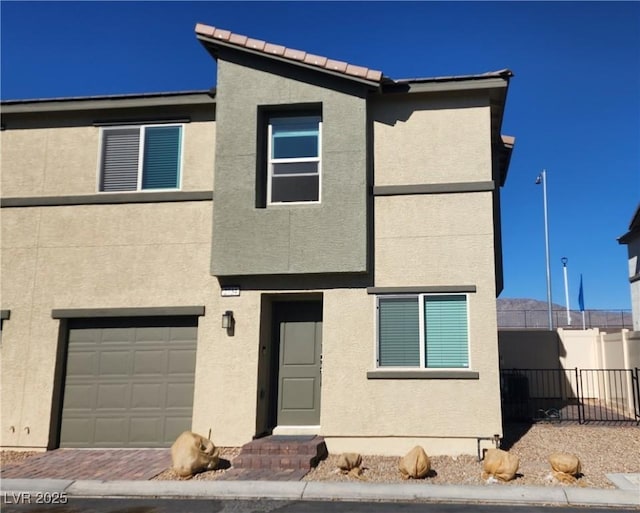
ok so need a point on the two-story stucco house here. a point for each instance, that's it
(312, 247)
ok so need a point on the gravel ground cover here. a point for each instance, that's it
(601, 449)
(11, 457)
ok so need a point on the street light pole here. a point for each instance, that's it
(564, 261)
(542, 179)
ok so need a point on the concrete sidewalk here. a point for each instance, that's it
(300, 490)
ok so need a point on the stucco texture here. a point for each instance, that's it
(329, 236)
(444, 139)
(64, 160)
(96, 256)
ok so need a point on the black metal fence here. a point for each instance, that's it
(605, 319)
(579, 395)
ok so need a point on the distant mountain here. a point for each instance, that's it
(525, 304)
(533, 313)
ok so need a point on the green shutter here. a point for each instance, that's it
(161, 157)
(446, 334)
(120, 149)
(399, 332)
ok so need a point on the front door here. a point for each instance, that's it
(298, 335)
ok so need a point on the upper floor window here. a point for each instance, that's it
(423, 331)
(136, 158)
(294, 164)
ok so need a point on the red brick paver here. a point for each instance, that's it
(101, 464)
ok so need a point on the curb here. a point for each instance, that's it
(318, 491)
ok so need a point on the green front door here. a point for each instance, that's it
(298, 327)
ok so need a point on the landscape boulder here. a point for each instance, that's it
(500, 465)
(350, 463)
(415, 464)
(192, 453)
(565, 467)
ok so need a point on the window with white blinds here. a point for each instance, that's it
(136, 158)
(294, 165)
(423, 331)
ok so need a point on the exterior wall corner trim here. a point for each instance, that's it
(433, 188)
(422, 374)
(426, 289)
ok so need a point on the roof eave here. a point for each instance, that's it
(108, 102)
(508, 142)
(211, 44)
(448, 84)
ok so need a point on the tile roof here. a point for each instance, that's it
(290, 54)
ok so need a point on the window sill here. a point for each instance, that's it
(422, 374)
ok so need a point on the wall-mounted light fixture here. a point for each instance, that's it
(228, 320)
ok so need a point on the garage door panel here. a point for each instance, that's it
(86, 336)
(82, 363)
(113, 396)
(77, 432)
(179, 395)
(149, 395)
(152, 335)
(145, 430)
(78, 396)
(117, 336)
(149, 361)
(173, 426)
(182, 361)
(115, 363)
(183, 334)
(129, 382)
(111, 430)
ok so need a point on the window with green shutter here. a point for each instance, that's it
(423, 331)
(138, 158)
(399, 332)
(445, 335)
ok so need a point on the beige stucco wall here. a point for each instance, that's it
(64, 160)
(94, 256)
(356, 412)
(443, 139)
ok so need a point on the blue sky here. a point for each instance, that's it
(573, 106)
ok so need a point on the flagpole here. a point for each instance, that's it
(581, 302)
(542, 179)
(564, 261)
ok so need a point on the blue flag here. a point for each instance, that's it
(581, 296)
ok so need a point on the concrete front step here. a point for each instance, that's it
(282, 453)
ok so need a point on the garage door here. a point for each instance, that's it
(128, 382)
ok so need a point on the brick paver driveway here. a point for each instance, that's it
(101, 464)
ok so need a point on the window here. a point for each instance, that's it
(136, 158)
(294, 144)
(423, 331)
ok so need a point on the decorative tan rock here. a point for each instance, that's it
(192, 453)
(565, 467)
(415, 464)
(500, 465)
(350, 463)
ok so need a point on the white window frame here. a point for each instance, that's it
(420, 298)
(142, 128)
(271, 161)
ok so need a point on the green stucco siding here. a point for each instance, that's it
(327, 237)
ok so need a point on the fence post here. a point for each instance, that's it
(579, 393)
(636, 395)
